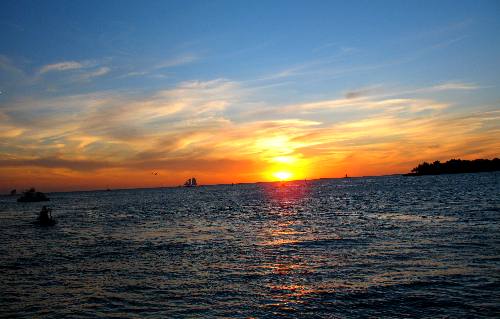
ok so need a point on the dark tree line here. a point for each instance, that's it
(455, 166)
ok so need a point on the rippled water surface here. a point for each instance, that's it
(346, 248)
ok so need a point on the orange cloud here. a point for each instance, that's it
(202, 129)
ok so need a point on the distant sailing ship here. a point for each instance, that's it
(191, 182)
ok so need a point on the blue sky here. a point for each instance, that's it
(404, 42)
(237, 63)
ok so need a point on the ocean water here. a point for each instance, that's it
(400, 247)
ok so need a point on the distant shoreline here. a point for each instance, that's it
(244, 183)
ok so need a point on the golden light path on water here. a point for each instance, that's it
(283, 231)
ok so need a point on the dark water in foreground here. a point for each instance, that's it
(370, 247)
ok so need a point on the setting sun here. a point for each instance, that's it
(283, 175)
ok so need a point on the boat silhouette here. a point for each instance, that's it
(45, 217)
(31, 195)
(191, 183)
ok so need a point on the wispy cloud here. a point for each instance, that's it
(455, 86)
(359, 105)
(133, 74)
(155, 69)
(94, 73)
(81, 70)
(363, 92)
(56, 162)
(176, 61)
(61, 66)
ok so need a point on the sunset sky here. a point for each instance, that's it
(104, 94)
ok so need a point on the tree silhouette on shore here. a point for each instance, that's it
(455, 166)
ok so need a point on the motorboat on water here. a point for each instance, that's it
(49, 222)
(31, 195)
(45, 217)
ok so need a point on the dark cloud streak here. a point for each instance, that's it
(55, 162)
(180, 164)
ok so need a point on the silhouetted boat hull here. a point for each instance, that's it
(48, 222)
(31, 200)
(32, 196)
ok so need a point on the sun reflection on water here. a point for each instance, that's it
(286, 268)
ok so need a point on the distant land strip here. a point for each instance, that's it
(456, 166)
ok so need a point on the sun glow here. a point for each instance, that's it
(284, 159)
(282, 176)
